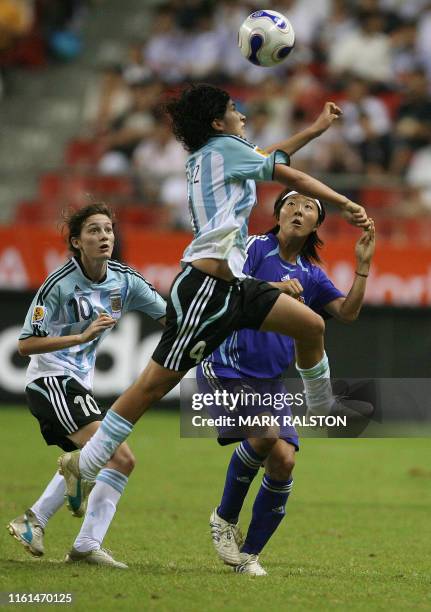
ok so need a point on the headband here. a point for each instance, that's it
(319, 206)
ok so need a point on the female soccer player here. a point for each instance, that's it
(74, 309)
(288, 250)
(210, 299)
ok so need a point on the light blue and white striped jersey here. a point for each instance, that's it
(68, 302)
(221, 190)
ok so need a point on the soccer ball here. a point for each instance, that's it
(266, 38)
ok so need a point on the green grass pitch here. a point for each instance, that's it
(357, 533)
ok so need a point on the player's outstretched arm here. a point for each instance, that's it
(35, 345)
(309, 186)
(330, 113)
(347, 309)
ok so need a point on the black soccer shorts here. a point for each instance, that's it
(62, 406)
(202, 311)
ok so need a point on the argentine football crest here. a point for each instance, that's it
(38, 315)
(116, 305)
(261, 151)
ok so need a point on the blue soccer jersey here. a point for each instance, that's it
(68, 302)
(255, 354)
(221, 189)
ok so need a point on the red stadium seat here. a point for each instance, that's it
(81, 152)
(143, 215)
(36, 212)
(76, 189)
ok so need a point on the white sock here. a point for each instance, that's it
(100, 448)
(50, 501)
(102, 504)
(318, 390)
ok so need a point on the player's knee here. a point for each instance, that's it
(282, 467)
(124, 461)
(263, 446)
(316, 327)
(313, 327)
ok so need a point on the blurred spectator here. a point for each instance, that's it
(423, 42)
(33, 30)
(274, 94)
(126, 131)
(158, 157)
(107, 97)
(329, 153)
(406, 10)
(305, 17)
(184, 43)
(135, 69)
(16, 19)
(305, 90)
(412, 121)
(366, 125)
(201, 48)
(161, 50)
(260, 128)
(60, 24)
(419, 176)
(364, 52)
(334, 27)
(403, 49)
(159, 163)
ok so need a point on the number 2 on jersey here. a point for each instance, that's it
(196, 174)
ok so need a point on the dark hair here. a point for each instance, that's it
(313, 241)
(73, 220)
(193, 112)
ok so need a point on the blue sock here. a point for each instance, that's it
(269, 510)
(243, 467)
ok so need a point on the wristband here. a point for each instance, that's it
(363, 275)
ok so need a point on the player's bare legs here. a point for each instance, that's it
(122, 460)
(292, 318)
(281, 460)
(307, 328)
(287, 316)
(151, 386)
(278, 457)
(29, 529)
(102, 501)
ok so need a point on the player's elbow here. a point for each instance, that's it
(23, 349)
(348, 317)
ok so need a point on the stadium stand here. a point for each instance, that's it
(386, 125)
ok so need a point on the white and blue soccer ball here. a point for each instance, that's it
(266, 38)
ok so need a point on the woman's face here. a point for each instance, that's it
(233, 122)
(298, 216)
(96, 239)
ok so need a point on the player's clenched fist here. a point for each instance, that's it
(291, 287)
(330, 113)
(356, 215)
(97, 327)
